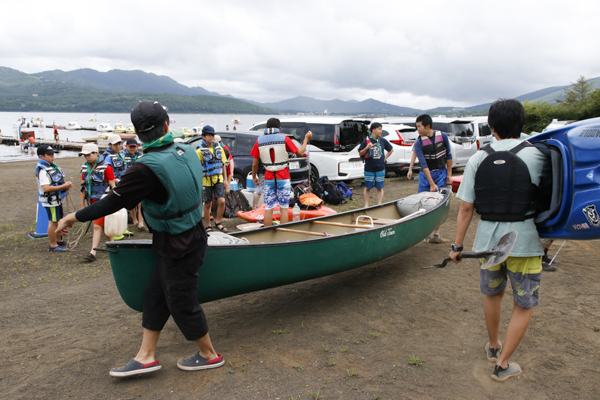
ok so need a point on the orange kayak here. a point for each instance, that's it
(258, 214)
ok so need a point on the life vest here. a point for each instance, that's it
(212, 163)
(434, 150)
(94, 183)
(129, 158)
(57, 178)
(118, 162)
(273, 140)
(503, 188)
(180, 171)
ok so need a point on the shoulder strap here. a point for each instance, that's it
(520, 147)
(488, 149)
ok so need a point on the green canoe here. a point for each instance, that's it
(244, 262)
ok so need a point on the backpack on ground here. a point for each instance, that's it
(346, 191)
(235, 201)
(331, 194)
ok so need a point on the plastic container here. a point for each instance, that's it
(296, 213)
(233, 186)
(250, 184)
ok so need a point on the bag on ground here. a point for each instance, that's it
(235, 201)
(346, 191)
(331, 194)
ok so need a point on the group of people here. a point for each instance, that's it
(173, 208)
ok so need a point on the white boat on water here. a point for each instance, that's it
(73, 126)
(104, 127)
(119, 128)
(130, 130)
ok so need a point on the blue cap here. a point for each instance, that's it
(208, 130)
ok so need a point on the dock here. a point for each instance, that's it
(61, 145)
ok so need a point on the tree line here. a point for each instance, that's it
(580, 102)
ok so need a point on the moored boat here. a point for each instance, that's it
(234, 263)
(104, 127)
(73, 126)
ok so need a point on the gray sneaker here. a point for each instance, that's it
(500, 374)
(492, 354)
(548, 267)
(133, 368)
(197, 362)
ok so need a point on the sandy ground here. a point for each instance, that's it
(347, 336)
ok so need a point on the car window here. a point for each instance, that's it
(384, 133)
(352, 133)
(259, 127)
(454, 129)
(322, 135)
(484, 129)
(244, 144)
(229, 142)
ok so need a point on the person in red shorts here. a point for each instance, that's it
(97, 176)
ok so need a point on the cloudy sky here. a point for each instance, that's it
(417, 54)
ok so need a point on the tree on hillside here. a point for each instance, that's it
(578, 93)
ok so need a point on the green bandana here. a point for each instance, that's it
(90, 171)
(160, 142)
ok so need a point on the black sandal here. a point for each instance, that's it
(220, 227)
(209, 229)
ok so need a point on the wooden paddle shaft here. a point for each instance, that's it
(303, 232)
(340, 224)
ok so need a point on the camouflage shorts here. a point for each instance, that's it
(525, 277)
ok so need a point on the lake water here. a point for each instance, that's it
(180, 121)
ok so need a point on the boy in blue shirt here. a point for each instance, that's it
(372, 151)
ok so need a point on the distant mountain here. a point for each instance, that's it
(310, 105)
(117, 80)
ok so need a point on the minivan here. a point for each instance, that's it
(333, 149)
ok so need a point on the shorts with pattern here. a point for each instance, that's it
(374, 179)
(218, 190)
(525, 277)
(55, 214)
(277, 192)
(261, 186)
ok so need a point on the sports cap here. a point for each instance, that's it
(88, 148)
(114, 139)
(208, 130)
(131, 142)
(217, 138)
(45, 149)
(147, 115)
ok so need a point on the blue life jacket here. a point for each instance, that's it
(130, 159)
(117, 161)
(57, 178)
(212, 163)
(94, 183)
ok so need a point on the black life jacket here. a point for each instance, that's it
(503, 188)
(434, 151)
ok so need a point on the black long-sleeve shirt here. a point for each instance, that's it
(140, 182)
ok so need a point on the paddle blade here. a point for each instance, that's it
(501, 251)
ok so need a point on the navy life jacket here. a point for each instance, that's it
(503, 188)
(118, 162)
(211, 163)
(57, 178)
(130, 159)
(434, 151)
(94, 183)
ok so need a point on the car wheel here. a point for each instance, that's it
(348, 181)
(314, 172)
(241, 181)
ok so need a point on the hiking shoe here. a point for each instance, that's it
(57, 249)
(90, 258)
(492, 354)
(133, 368)
(548, 260)
(197, 362)
(141, 229)
(436, 239)
(500, 374)
(548, 267)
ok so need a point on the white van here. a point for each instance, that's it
(483, 132)
(334, 145)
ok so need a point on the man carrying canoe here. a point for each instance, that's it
(167, 179)
(499, 183)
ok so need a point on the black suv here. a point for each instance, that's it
(240, 144)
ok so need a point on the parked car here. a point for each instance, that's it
(401, 137)
(483, 132)
(240, 144)
(334, 145)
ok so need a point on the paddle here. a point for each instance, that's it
(494, 256)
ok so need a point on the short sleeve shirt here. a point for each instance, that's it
(376, 159)
(489, 232)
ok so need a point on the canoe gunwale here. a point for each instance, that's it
(145, 243)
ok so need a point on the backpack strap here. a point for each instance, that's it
(488, 148)
(520, 147)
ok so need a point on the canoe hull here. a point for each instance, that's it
(230, 270)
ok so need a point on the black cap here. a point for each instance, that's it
(147, 115)
(131, 142)
(208, 130)
(45, 149)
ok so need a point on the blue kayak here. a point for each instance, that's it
(575, 200)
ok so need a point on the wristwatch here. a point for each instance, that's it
(456, 248)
